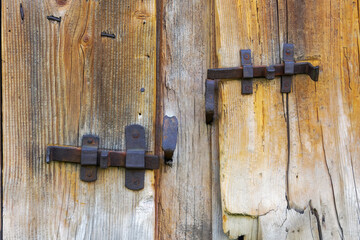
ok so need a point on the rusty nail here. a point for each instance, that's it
(109, 35)
(22, 12)
(53, 18)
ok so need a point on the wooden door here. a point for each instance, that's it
(289, 163)
(271, 166)
(61, 80)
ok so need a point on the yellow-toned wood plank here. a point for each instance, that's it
(325, 116)
(320, 177)
(63, 80)
(252, 130)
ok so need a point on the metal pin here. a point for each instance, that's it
(109, 35)
(52, 18)
(22, 12)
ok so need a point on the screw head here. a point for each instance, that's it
(246, 56)
(136, 134)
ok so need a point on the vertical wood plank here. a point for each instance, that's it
(185, 201)
(252, 157)
(325, 117)
(63, 80)
(320, 121)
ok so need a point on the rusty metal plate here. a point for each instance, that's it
(169, 139)
(88, 173)
(289, 66)
(210, 87)
(270, 72)
(248, 72)
(135, 157)
(104, 159)
(260, 71)
(89, 149)
(89, 156)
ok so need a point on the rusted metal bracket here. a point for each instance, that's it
(169, 139)
(135, 159)
(289, 63)
(210, 89)
(247, 71)
(88, 161)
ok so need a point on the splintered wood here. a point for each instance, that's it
(289, 164)
(61, 80)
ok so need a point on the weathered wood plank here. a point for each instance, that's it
(60, 81)
(252, 157)
(321, 120)
(185, 196)
(324, 116)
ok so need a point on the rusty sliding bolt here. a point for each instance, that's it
(135, 159)
(169, 139)
(247, 71)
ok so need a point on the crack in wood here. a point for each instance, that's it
(316, 214)
(331, 184)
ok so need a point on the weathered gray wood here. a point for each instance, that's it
(185, 189)
(63, 80)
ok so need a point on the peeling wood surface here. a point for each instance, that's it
(299, 150)
(61, 80)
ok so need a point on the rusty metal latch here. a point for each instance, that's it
(248, 71)
(169, 139)
(134, 160)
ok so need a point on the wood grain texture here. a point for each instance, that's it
(185, 188)
(63, 80)
(291, 161)
(325, 116)
(252, 156)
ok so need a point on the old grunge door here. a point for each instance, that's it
(60, 80)
(289, 163)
